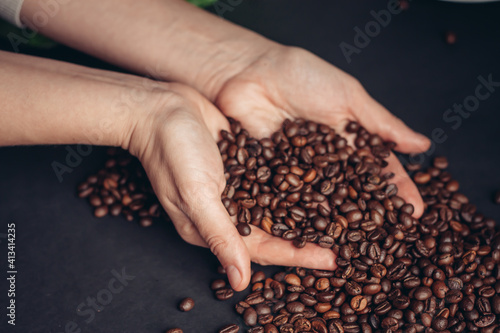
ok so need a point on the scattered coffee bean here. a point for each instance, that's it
(217, 284)
(404, 4)
(122, 187)
(305, 184)
(187, 304)
(450, 37)
(224, 294)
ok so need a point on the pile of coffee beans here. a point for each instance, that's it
(306, 183)
(187, 304)
(440, 273)
(122, 188)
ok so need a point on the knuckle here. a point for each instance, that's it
(217, 244)
(186, 231)
(197, 195)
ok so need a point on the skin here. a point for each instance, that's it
(247, 77)
(170, 127)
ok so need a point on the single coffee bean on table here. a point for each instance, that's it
(187, 304)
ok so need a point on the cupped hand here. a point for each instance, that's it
(287, 82)
(176, 143)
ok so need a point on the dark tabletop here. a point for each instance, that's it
(64, 255)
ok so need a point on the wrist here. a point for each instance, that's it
(155, 119)
(228, 59)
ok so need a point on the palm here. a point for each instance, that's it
(297, 84)
(265, 94)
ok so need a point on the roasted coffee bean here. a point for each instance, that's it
(326, 241)
(224, 294)
(439, 323)
(187, 304)
(422, 293)
(295, 307)
(454, 296)
(485, 321)
(353, 288)
(243, 229)
(101, 211)
(250, 317)
(359, 303)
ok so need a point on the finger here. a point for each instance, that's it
(219, 233)
(266, 249)
(377, 119)
(406, 187)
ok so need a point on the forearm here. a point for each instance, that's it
(165, 39)
(51, 102)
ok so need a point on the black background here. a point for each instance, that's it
(64, 254)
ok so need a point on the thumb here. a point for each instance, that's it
(218, 231)
(377, 119)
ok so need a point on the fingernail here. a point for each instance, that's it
(233, 275)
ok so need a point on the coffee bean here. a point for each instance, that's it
(101, 211)
(439, 323)
(353, 288)
(244, 229)
(485, 321)
(250, 317)
(293, 279)
(454, 296)
(224, 294)
(322, 284)
(146, 222)
(439, 289)
(450, 37)
(390, 323)
(187, 304)
(217, 284)
(326, 241)
(359, 303)
(295, 307)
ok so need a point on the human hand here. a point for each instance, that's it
(289, 82)
(176, 143)
(252, 79)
